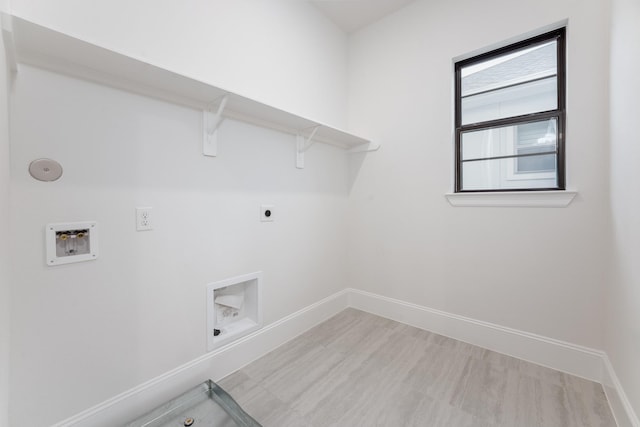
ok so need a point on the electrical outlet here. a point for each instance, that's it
(143, 219)
(266, 213)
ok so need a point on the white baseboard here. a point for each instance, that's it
(618, 400)
(214, 365)
(570, 358)
(573, 359)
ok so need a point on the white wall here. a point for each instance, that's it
(537, 270)
(5, 283)
(283, 52)
(89, 331)
(95, 329)
(623, 317)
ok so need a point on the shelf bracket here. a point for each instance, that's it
(365, 148)
(9, 45)
(211, 122)
(303, 144)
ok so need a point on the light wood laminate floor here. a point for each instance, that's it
(357, 369)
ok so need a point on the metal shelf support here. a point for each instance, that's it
(9, 44)
(303, 144)
(211, 122)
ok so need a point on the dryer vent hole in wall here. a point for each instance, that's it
(45, 170)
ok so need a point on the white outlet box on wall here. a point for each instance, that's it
(144, 219)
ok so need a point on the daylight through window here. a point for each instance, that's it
(510, 115)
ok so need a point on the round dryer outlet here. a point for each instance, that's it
(267, 213)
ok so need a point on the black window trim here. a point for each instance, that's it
(559, 113)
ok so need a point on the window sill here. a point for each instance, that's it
(538, 199)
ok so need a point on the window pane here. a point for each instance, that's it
(503, 174)
(527, 138)
(509, 117)
(516, 67)
(513, 84)
(531, 97)
(535, 164)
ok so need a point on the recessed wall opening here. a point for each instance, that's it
(233, 309)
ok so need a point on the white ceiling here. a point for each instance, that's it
(351, 15)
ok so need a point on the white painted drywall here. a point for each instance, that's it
(623, 314)
(98, 328)
(284, 53)
(95, 329)
(5, 265)
(539, 270)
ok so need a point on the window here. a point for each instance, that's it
(510, 115)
